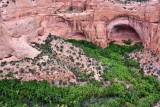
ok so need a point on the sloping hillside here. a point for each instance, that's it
(78, 74)
(57, 63)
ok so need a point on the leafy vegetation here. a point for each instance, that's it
(127, 42)
(127, 86)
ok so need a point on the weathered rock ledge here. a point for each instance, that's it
(23, 22)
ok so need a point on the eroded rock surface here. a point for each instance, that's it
(23, 22)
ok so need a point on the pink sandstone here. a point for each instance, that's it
(26, 21)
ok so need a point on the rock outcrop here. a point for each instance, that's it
(23, 22)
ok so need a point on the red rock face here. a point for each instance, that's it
(25, 21)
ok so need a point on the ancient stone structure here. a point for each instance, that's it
(23, 22)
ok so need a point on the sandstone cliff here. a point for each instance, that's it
(23, 22)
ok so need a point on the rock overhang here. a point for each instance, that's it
(95, 20)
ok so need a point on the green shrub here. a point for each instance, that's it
(127, 42)
(115, 90)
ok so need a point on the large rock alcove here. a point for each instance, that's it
(122, 32)
(124, 28)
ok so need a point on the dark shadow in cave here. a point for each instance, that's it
(122, 32)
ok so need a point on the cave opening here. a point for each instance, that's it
(120, 33)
